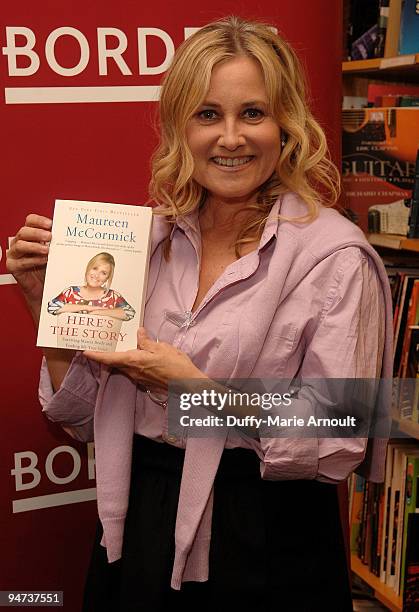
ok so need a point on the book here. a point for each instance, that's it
(96, 276)
(411, 504)
(379, 147)
(356, 511)
(409, 28)
(411, 577)
(414, 205)
(362, 28)
(384, 9)
(408, 285)
(412, 319)
(386, 512)
(392, 218)
(394, 514)
(400, 521)
(376, 91)
(389, 527)
(409, 101)
(364, 47)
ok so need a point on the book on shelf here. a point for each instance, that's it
(357, 496)
(383, 14)
(377, 91)
(379, 515)
(379, 147)
(400, 521)
(409, 28)
(412, 319)
(408, 394)
(391, 100)
(350, 102)
(411, 506)
(411, 580)
(394, 518)
(386, 513)
(366, 28)
(413, 231)
(402, 309)
(403, 277)
(96, 276)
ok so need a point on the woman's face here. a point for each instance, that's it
(234, 140)
(98, 274)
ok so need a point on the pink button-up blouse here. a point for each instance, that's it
(313, 298)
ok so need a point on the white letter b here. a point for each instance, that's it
(12, 51)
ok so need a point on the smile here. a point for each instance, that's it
(232, 162)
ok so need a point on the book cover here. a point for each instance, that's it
(379, 551)
(96, 276)
(412, 319)
(413, 371)
(409, 28)
(411, 577)
(386, 515)
(400, 521)
(377, 90)
(362, 554)
(363, 15)
(408, 285)
(378, 158)
(394, 514)
(384, 9)
(356, 511)
(411, 501)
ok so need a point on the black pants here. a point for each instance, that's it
(275, 545)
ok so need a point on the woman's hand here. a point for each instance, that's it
(27, 257)
(152, 364)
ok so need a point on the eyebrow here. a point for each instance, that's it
(248, 103)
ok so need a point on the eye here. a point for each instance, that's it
(253, 113)
(207, 115)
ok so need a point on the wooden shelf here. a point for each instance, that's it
(392, 241)
(409, 427)
(400, 67)
(361, 65)
(381, 592)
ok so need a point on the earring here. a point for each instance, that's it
(283, 139)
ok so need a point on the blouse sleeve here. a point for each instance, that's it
(58, 302)
(120, 302)
(72, 406)
(347, 344)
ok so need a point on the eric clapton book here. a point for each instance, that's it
(96, 276)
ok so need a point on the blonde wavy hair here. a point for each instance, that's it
(304, 165)
(106, 258)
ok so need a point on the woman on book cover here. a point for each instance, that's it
(252, 276)
(96, 296)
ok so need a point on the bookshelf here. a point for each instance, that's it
(391, 241)
(356, 77)
(409, 427)
(399, 66)
(381, 592)
(358, 74)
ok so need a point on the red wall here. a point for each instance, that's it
(94, 151)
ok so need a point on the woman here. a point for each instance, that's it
(251, 276)
(96, 294)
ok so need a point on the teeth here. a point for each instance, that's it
(231, 161)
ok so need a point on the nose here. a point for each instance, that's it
(231, 136)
